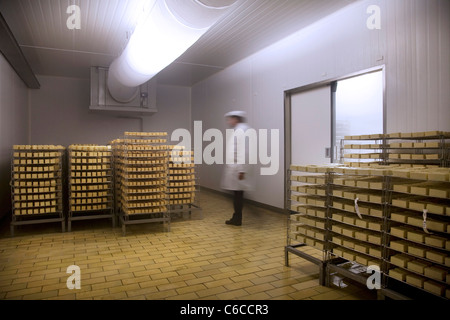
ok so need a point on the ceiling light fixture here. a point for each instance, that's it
(172, 27)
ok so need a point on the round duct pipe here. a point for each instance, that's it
(171, 28)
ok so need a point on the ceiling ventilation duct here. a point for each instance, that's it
(171, 27)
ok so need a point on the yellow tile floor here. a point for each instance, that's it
(198, 259)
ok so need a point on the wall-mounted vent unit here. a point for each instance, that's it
(143, 101)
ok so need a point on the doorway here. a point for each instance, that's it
(319, 115)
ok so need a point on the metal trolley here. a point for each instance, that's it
(384, 218)
(417, 148)
(37, 185)
(90, 184)
(183, 186)
(308, 217)
(141, 175)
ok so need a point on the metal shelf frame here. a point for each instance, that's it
(293, 248)
(385, 148)
(187, 208)
(180, 209)
(330, 264)
(125, 156)
(27, 155)
(403, 289)
(87, 158)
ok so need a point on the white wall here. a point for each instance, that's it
(418, 65)
(174, 110)
(13, 126)
(60, 114)
(413, 43)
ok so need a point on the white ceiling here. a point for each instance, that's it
(52, 49)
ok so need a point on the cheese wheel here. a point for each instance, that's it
(435, 241)
(361, 248)
(362, 260)
(417, 251)
(415, 280)
(436, 273)
(416, 236)
(374, 238)
(434, 287)
(417, 266)
(436, 256)
(375, 251)
(400, 260)
(399, 217)
(398, 274)
(349, 255)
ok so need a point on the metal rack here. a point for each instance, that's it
(308, 218)
(424, 148)
(90, 184)
(358, 214)
(367, 208)
(183, 187)
(362, 152)
(37, 185)
(418, 233)
(141, 178)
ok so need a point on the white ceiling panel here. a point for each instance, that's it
(52, 49)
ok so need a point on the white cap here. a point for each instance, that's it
(240, 114)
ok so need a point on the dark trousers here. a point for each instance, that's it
(238, 205)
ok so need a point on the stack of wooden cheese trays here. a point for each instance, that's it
(37, 185)
(141, 178)
(395, 217)
(90, 183)
(182, 186)
(138, 178)
(430, 148)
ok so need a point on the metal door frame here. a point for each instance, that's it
(288, 115)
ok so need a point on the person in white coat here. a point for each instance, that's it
(237, 172)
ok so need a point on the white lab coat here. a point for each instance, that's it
(234, 165)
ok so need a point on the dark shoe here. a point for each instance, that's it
(231, 221)
(234, 222)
